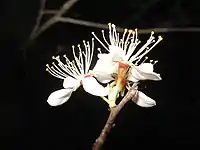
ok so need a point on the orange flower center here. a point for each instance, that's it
(120, 79)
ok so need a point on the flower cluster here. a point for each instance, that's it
(121, 66)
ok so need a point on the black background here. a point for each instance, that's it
(28, 122)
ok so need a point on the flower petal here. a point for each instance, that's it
(144, 101)
(59, 97)
(136, 74)
(91, 86)
(145, 67)
(104, 64)
(71, 83)
(103, 77)
(104, 68)
(116, 53)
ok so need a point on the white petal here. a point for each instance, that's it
(71, 83)
(59, 97)
(135, 74)
(117, 53)
(91, 86)
(145, 67)
(144, 101)
(103, 77)
(104, 64)
(103, 56)
(104, 69)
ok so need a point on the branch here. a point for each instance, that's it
(141, 31)
(38, 20)
(64, 8)
(132, 93)
(49, 12)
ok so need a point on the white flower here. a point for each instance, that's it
(75, 73)
(123, 63)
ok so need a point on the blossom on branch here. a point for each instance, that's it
(74, 74)
(124, 64)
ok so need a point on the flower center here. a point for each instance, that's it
(120, 79)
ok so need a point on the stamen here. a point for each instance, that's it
(81, 59)
(92, 52)
(78, 63)
(53, 72)
(114, 34)
(127, 38)
(125, 30)
(155, 62)
(60, 71)
(145, 47)
(100, 41)
(104, 38)
(99, 49)
(144, 60)
(147, 51)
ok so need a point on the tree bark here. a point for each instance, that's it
(132, 93)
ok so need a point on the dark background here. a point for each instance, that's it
(26, 120)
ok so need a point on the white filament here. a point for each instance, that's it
(76, 68)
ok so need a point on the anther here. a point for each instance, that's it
(160, 37)
(155, 62)
(113, 25)
(130, 31)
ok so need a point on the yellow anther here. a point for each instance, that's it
(125, 30)
(152, 32)
(160, 37)
(155, 62)
(113, 25)
(130, 31)
(57, 57)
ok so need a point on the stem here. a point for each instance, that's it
(114, 111)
